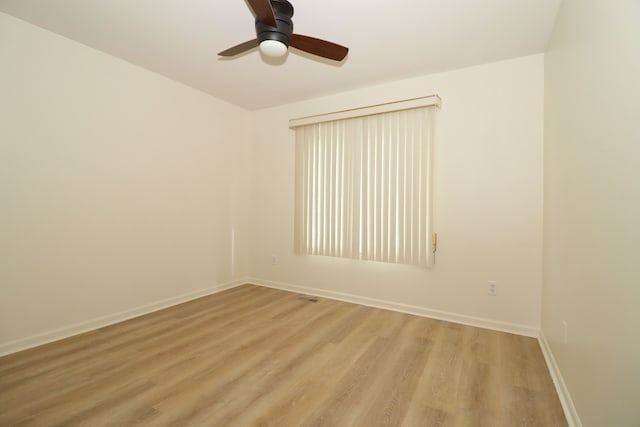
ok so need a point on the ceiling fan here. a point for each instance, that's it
(274, 30)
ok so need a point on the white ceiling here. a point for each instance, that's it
(388, 40)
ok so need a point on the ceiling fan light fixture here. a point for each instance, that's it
(273, 48)
(274, 34)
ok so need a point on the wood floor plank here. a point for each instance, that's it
(289, 405)
(41, 360)
(440, 379)
(119, 365)
(253, 356)
(396, 385)
(239, 376)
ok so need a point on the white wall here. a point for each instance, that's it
(488, 197)
(121, 188)
(592, 207)
(118, 187)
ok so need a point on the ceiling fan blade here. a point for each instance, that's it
(319, 47)
(263, 11)
(238, 49)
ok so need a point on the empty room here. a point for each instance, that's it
(330, 213)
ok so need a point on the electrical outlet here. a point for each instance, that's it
(492, 288)
(274, 259)
(565, 327)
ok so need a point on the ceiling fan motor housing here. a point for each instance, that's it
(283, 11)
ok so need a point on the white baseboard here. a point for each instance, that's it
(513, 328)
(110, 319)
(561, 388)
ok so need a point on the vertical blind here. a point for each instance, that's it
(363, 187)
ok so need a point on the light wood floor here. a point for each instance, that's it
(253, 356)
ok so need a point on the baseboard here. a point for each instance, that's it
(561, 388)
(110, 319)
(403, 308)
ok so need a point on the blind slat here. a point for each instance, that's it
(363, 188)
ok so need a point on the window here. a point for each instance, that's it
(363, 187)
